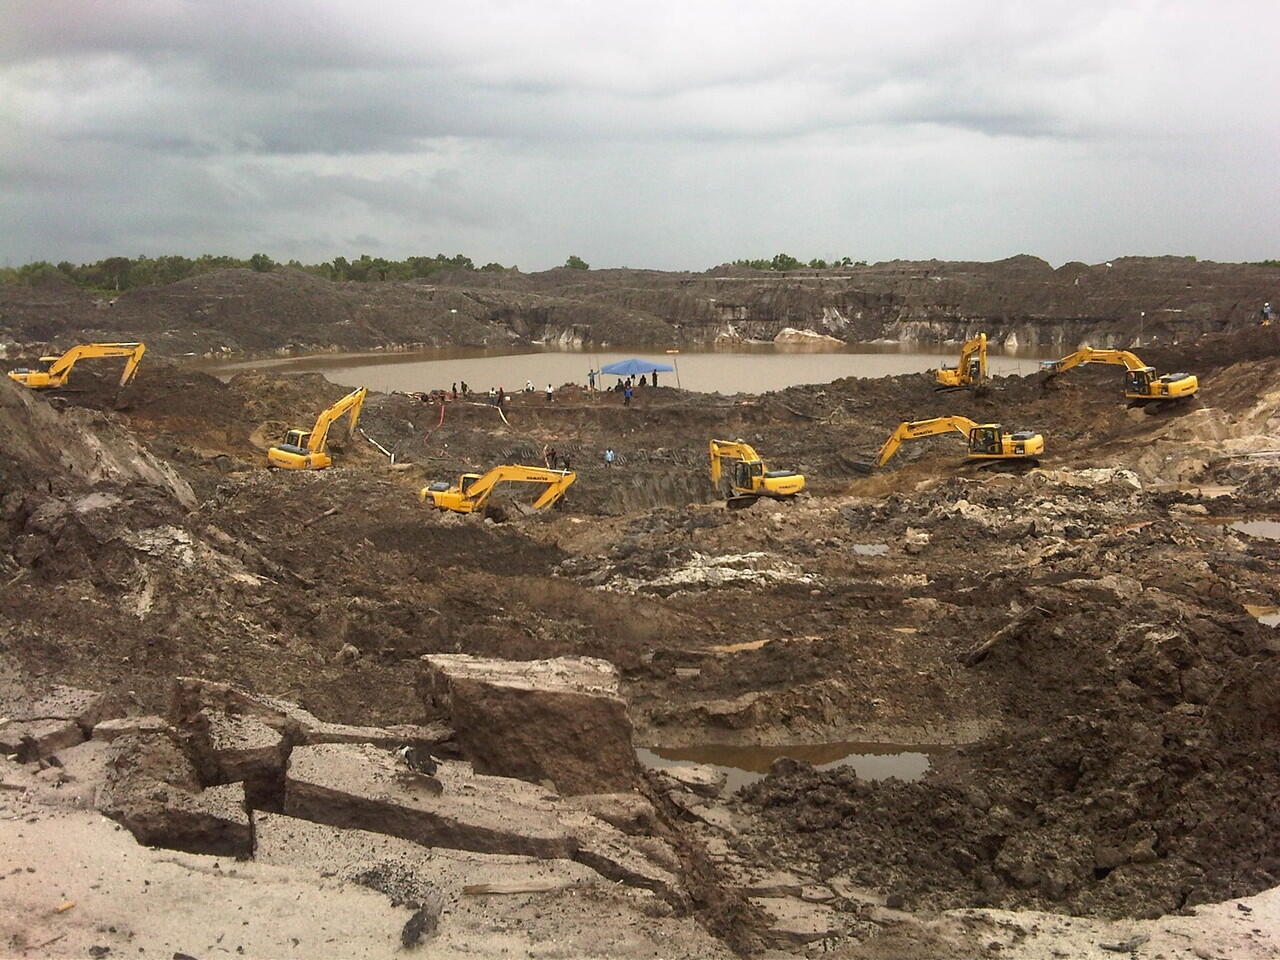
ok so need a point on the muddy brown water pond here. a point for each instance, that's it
(747, 764)
(752, 368)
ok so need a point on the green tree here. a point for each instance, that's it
(261, 263)
(784, 261)
(577, 263)
(115, 271)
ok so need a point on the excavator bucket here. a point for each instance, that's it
(866, 467)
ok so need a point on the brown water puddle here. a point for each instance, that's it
(747, 764)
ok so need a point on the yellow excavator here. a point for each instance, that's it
(305, 450)
(1141, 385)
(987, 441)
(749, 478)
(59, 369)
(472, 490)
(971, 371)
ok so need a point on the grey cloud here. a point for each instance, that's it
(656, 133)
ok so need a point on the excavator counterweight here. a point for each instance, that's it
(748, 478)
(303, 450)
(987, 441)
(1141, 383)
(59, 368)
(471, 492)
(971, 371)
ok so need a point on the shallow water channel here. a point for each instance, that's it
(750, 368)
(747, 764)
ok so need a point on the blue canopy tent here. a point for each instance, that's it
(633, 367)
(629, 368)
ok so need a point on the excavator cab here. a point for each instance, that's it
(746, 474)
(1139, 381)
(986, 439)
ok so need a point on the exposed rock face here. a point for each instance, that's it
(109, 730)
(629, 812)
(363, 787)
(350, 785)
(153, 789)
(560, 720)
(84, 446)
(1019, 300)
(235, 736)
(195, 700)
(39, 725)
(699, 778)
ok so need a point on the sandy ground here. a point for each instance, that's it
(297, 897)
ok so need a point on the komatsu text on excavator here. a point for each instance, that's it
(59, 369)
(1141, 385)
(303, 450)
(971, 371)
(471, 492)
(987, 441)
(748, 478)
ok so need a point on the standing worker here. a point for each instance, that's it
(591, 380)
(608, 457)
(626, 395)
(550, 394)
(1266, 314)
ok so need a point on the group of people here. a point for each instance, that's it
(556, 460)
(497, 395)
(622, 384)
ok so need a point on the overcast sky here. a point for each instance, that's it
(655, 133)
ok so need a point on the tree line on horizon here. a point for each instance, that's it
(118, 274)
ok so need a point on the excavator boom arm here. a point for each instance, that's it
(557, 481)
(914, 429)
(1124, 358)
(975, 347)
(352, 403)
(61, 367)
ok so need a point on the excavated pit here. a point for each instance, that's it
(1097, 633)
